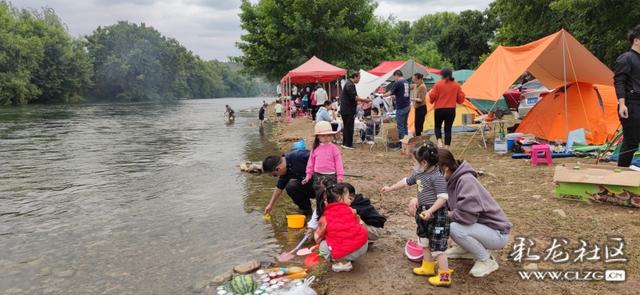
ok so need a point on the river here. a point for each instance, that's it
(131, 198)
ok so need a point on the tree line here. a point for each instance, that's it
(281, 34)
(41, 63)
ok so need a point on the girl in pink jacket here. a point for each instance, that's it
(324, 162)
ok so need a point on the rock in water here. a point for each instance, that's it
(220, 279)
(251, 167)
(247, 267)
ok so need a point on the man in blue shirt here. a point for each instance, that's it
(400, 89)
(290, 169)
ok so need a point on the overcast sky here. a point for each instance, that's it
(209, 28)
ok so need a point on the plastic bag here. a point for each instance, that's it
(304, 289)
(299, 145)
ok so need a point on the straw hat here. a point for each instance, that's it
(323, 128)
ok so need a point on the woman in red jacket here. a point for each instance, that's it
(341, 234)
(444, 96)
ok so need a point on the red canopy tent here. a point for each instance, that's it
(314, 70)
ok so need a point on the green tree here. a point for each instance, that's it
(524, 21)
(602, 25)
(39, 61)
(427, 54)
(431, 26)
(20, 54)
(64, 72)
(281, 34)
(467, 38)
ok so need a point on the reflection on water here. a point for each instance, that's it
(131, 198)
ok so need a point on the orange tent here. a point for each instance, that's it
(593, 108)
(465, 108)
(555, 60)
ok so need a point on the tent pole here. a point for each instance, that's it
(564, 73)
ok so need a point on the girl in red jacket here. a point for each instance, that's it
(341, 234)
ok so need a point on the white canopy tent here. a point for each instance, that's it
(369, 82)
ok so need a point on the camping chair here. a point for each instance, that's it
(382, 136)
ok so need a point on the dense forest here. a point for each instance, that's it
(280, 34)
(41, 63)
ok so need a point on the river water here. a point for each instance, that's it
(131, 198)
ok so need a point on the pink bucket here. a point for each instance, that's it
(413, 251)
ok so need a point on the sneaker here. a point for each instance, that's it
(634, 168)
(457, 252)
(484, 268)
(346, 147)
(342, 266)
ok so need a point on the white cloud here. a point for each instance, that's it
(209, 28)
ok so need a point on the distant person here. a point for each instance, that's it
(400, 89)
(314, 104)
(348, 109)
(292, 108)
(294, 92)
(372, 127)
(290, 169)
(627, 84)
(278, 109)
(323, 113)
(444, 96)
(229, 113)
(261, 113)
(419, 102)
(305, 102)
(321, 96)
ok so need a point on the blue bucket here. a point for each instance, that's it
(510, 143)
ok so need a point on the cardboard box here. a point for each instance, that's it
(598, 184)
(408, 143)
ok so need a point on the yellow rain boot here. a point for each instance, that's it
(428, 268)
(442, 279)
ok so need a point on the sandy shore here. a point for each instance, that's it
(526, 195)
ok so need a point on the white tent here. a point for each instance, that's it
(369, 82)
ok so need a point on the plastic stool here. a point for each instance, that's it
(541, 154)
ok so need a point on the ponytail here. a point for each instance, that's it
(447, 74)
